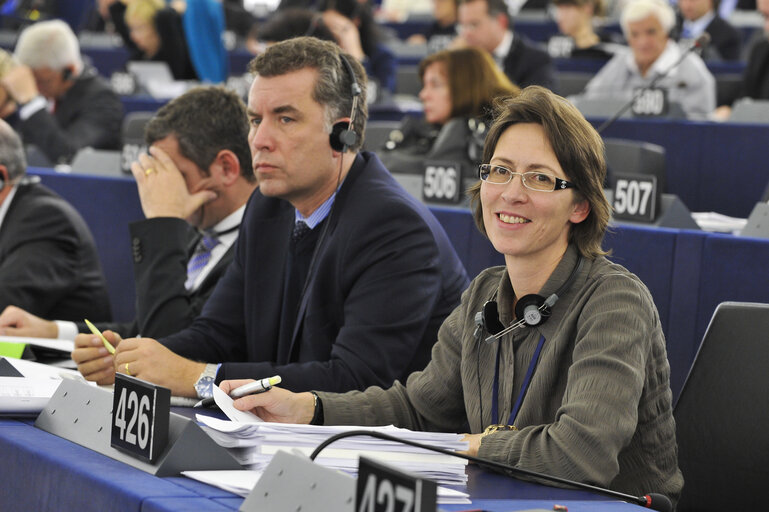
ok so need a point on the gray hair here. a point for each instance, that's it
(12, 152)
(333, 86)
(49, 44)
(638, 10)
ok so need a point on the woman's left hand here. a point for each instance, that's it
(475, 444)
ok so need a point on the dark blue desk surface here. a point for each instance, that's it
(43, 472)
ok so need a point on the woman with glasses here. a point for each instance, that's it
(556, 361)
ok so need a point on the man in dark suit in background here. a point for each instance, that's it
(487, 24)
(63, 106)
(340, 279)
(194, 195)
(697, 16)
(48, 259)
(755, 78)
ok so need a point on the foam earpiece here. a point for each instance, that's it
(341, 136)
(528, 309)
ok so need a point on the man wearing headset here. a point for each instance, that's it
(48, 259)
(62, 105)
(340, 279)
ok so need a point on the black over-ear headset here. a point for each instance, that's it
(343, 134)
(530, 310)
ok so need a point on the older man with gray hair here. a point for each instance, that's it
(653, 58)
(63, 105)
(48, 259)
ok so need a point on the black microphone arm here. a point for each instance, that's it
(700, 42)
(654, 501)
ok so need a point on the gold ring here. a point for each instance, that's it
(127, 371)
(148, 171)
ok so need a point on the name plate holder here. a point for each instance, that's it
(294, 482)
(82, 413)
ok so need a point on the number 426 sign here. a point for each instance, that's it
(140, 417)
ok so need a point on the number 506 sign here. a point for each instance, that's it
(140, 417)
(635, 197)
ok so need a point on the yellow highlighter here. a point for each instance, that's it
(96, 332)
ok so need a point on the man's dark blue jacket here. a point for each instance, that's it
(384, 278)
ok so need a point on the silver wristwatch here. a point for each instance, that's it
(204, 386)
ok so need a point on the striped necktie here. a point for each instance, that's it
(200, 258)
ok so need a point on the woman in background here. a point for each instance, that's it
(458, 88)
(152, 31)
(442, 31)
(576, 20)
(356, 32)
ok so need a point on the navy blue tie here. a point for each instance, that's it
(300, 230)
(200, 258)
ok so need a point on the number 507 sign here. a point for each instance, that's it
(635, 197)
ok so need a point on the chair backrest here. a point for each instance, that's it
(133, 126)
(747, 110)
(407, 81)
(133, 138)
(723, 412)
(573, 82)
(636, 157)
(36, 157)
(377, 133)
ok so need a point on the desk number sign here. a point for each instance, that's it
(140, 417)
(650, 102)
(635, 197)
(442, 183)
(383, 489)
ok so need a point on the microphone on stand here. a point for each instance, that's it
(702, 41)
(653, 500)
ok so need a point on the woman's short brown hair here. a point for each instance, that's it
(578, 148)
(475, 80)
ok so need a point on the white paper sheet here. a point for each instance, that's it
(224, 402)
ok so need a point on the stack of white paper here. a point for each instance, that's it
(253, 443)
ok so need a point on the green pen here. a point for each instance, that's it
(96, 332)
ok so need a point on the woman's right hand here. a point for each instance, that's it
(276, 405)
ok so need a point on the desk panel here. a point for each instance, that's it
(43, 472)
(108, 205)
(701, 156)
